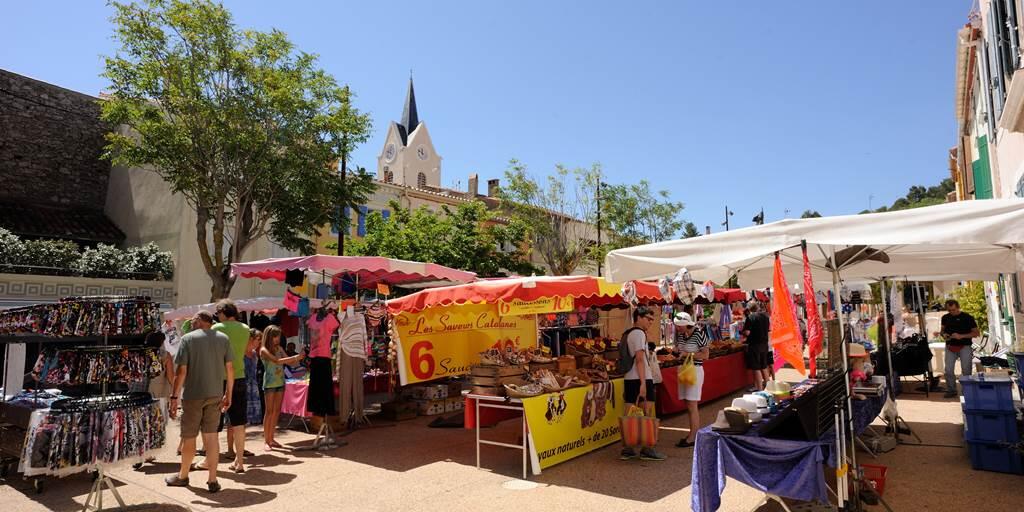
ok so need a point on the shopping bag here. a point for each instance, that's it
(639, 426)
(688, 372)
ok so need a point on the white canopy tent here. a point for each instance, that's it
(953, 241)
(967, 240)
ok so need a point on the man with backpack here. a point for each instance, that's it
(639, 378)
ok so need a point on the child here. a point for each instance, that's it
(273, 381)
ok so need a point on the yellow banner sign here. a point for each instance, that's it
(445, 341)
(573, 422)
(535, 307)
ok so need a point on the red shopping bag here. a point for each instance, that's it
(639, 426)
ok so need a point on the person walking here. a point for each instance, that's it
(274, 359)
(639, 380)
(238, 334)
(757, 357)
(203, 361)
(691, 339)
(958, 329)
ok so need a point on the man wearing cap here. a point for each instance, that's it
(639, 380)
(691, 339)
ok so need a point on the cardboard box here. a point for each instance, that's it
(431, 392)
(454, 404)
(430, 407)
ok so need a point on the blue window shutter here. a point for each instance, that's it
(361, 228)
(386, 214)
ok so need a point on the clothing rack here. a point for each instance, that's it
(100, 328)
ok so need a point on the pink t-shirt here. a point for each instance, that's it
(320, 344)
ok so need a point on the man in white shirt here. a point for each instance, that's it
(639, 380)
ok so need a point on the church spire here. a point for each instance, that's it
(410, 119)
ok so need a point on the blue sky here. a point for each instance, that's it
(782, 105)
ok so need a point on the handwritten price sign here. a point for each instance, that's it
(447, 341)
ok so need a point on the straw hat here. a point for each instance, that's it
(856, 350)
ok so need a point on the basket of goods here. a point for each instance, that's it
(492, 357)
(584, 361)
(524, 390)
(593, 375)
(601, 364)
(565, 364)
(551, 382)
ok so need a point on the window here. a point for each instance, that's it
(361, 227)
(421, 180)
(389, 177)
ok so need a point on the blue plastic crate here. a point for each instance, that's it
(987, 395)
(988, 456)
(990, 426)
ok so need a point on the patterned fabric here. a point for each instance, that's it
(253, 409)
(683, 284)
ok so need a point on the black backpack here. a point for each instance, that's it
(626, 360)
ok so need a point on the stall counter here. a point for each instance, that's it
(722, 376)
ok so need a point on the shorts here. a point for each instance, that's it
(756, 358)
(201, 415)
(237, 416)
(631, 390)
(273, 390)
(692, 393)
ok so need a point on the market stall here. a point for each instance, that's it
(345, 333)
(86, 350)
(970, 240)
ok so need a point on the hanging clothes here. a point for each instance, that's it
(351, 363)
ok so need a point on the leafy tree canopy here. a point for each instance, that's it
(919, 196)
(810, 214)
(244, 126)
(468, 237)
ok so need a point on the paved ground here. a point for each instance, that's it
(411, 467)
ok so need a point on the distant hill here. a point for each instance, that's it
(919, 196)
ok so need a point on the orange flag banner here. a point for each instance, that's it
(815, 332)
(785, 330)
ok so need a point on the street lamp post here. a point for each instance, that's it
(600, 185)
(727, 214)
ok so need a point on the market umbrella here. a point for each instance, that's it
(980, 239)
(585, 290)
(369, 270)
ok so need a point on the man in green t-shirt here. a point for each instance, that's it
(238, 335)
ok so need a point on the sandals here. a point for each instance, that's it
(237, 469)
(213, 486)
(683, 443)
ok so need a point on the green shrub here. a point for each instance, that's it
(55, 254)
(151, 261)
(12, 250)
(104, 261)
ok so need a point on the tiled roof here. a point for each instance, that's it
(72, 223)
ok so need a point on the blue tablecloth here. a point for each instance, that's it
(792, 469)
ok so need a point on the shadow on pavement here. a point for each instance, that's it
(232, 498)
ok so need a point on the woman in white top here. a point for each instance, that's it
(691, 339)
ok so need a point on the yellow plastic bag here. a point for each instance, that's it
(688, 372)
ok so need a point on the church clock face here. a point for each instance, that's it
(421, 152)
(390, 152)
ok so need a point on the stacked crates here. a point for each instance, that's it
(990, 424)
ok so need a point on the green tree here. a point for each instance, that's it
(637, 215)
(244, 126)
(810, 214)
(690, 230)
(559, 213)
(919, 196)
(468, 237)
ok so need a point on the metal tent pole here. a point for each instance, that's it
(888, 342)
(841, 451)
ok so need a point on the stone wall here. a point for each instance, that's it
(51, 140)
